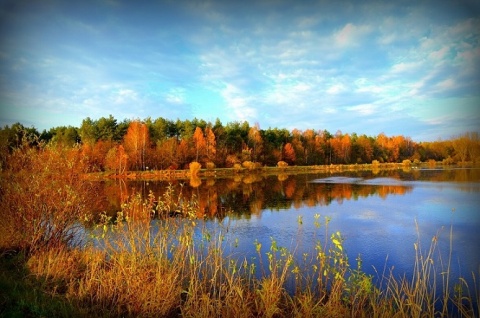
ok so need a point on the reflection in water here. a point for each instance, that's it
(249, 194)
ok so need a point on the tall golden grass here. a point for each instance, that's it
(147, 267)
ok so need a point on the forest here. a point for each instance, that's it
(158, 144)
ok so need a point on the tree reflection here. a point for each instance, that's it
(249, 194)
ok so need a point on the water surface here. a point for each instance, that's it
(381, 215)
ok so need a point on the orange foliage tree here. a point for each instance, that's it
(341, 145)
(116, 159)
(289, 154)
(211, 144)
(135, 143)
(256, 141)
(200, 143)
(166, 153)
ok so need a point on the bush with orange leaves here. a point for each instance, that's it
(282, 164)
(194, 168)
(43, 197)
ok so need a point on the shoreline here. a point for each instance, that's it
(185, 174)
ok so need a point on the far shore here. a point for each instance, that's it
(184, 174)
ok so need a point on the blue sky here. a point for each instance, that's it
(398, 67)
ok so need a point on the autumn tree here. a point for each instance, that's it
(474, 146)
(461, 144)
(289, 154)
(381, 148)
(341, 146)
(99, 153)
(200, 143)
(255, 141)
(116, 159)
(211, 145)
(182, 155)
(166, 151)
(136, 142)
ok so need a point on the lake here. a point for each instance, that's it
(380, 214)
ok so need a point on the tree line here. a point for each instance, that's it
(133, 145)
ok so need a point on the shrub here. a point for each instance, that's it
(282, 164)
(44, 198)
(248, 165)
(406, 162)
(210, 165)
(375, 163)
(448, 161)
(194, 168)
(231, 160)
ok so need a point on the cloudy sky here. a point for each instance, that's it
(398, 67)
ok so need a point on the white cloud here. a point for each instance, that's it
(238, 103)
(350, 35)
(336, 89)
(439, 120)
(301, 87)
(363, 109)
(124, 96)
(329, 110)
(175, 96)
(446, 84)
(439, 54)
(387, 39)
(405, 67)
(296, 94)
(366, 86)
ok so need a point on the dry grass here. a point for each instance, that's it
(139, 272)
